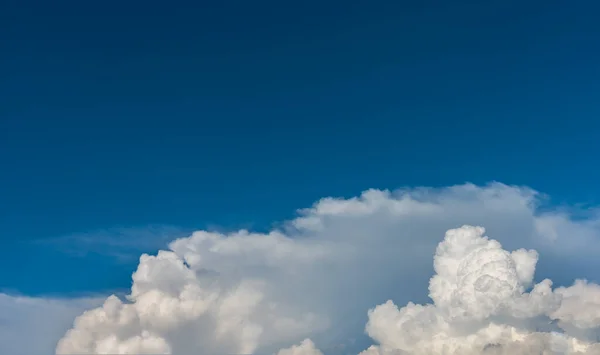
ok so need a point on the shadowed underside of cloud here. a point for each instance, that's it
(317, 276)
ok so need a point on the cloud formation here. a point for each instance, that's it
(480, 306)
(316, 276)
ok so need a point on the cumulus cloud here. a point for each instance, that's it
(315, 277)
(480, 306)
(306, 347)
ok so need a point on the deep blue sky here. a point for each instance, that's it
(235, 113)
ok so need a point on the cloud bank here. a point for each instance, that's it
(32, 325)
(316, 276)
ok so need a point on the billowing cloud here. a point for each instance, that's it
(480, 306)
(316, 275)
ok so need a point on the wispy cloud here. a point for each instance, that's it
(122, 243)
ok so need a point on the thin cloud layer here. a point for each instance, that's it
(316, 276)
(123, 244)
(32, 325)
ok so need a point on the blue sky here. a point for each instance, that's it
(119, 116)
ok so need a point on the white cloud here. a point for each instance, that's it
(306, 347)
(480, 306)
(317, 275)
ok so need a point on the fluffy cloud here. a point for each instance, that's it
(306, 347)
(480, 306)
(316, 276)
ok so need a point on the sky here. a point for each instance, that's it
(124, 126)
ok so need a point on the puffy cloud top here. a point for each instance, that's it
(316, 276)
(480, 306)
